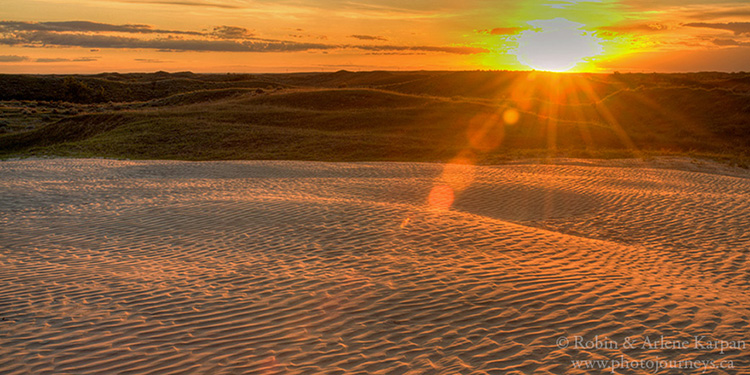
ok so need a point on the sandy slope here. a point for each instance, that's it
(297, 267)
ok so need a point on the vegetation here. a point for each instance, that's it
(422, 116)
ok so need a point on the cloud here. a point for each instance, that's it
(205, 4)
(50, 60)
(501, 31)
(96, 41)
(396, 53)
(13, 58)
(730, 42)
(230, 32)
(54, 60)
(94, 36)
(85, 26)
(738, 28)
(367, 37)
(636, 28)
(454, 50)
(218, 32)
(41, 38)
(373, 9)
(151, 61)
(721, 12)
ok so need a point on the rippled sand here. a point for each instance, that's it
(302, 267)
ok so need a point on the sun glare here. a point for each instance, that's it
(556, 45)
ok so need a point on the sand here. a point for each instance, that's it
(152, 267)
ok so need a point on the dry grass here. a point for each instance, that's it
(419, 116)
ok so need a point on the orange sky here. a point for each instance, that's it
(90, 36)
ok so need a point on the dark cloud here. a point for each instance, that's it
(726, 42)
(13, 58)
(730, 42)
(723, 12)
(85, 26)
(205, 4)
(151, 61)
(220, 32)
(230, 32)
(636, 28)
(501, 31)
(54, 60)
(396, 53)
(455, 50)
(51, 60)
(738, 28)
(367, 37)
(223, 39)
(41, 38)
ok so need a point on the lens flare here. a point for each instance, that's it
(511, 116)
(441, 197)
(556, 45)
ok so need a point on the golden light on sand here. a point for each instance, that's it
(556, 45)
(441, 197)
(298, 268)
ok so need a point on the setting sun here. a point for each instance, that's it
(556, 45)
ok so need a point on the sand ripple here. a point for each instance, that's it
(299, 267)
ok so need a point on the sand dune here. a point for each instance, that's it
(303, 268)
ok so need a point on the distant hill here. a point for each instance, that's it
(114, 87)
(427, 116)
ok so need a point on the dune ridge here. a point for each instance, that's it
(274, 267)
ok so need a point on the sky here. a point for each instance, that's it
(254, 36)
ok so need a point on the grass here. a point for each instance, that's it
(417, 116)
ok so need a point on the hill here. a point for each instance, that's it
(480, 117)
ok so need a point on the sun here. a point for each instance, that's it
(556, 45)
